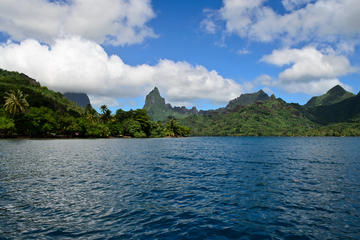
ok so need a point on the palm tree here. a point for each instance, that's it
(103, 109)
(105, 113)
(15, 102)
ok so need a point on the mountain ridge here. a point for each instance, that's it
(257, 114)
(334, 95)
(159, 110)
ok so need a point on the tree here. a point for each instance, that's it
(173, 129)
(7, 126)
(41, 121)
(105, 113)
(15, 102)
(90, 113)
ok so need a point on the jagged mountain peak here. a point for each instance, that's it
(154, 98)
(158, 109)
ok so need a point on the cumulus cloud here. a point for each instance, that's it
(117, 22)
(308, 64)
(79, 65)
(321, 20)
(308, 69)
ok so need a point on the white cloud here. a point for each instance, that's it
(323, 20)
(308, 64)
(208, 25)
(98, 101)
(294, 4)
(78, 65)
(308, 69)
(117, 22)
(317, 87)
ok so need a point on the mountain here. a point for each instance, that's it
(158, 110)
(336, 113)
(334, 95)
(247, 99)
(347, 110)
(273, 117)
(38, 95)
(80, 99)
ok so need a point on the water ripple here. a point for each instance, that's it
(191, 188)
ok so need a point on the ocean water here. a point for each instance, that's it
(186, 188)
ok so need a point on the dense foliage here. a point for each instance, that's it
(270, 118)
(336, 113)
(43, 113)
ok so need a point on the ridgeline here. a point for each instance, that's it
(336, 113)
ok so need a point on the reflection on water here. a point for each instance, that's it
(190, 188)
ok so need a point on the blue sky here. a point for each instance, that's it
(201, 53)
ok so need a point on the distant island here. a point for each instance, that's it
(28, 109)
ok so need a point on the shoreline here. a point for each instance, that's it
(128, 137)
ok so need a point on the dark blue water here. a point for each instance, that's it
(188, 188)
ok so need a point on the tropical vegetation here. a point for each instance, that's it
(335, 113)
(28, 109)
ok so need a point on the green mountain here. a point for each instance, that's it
(336, 113)
(158, 110)
(247, 99)
(334, 95)
(273, 117)
(38, 96)
(347, 110)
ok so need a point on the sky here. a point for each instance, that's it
(199, 53)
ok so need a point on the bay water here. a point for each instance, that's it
(180, 188)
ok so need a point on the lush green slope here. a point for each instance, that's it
(37, 96)
(27, 109)
(273, 117)
(334, 95)
(336, 113)
(347, 110)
